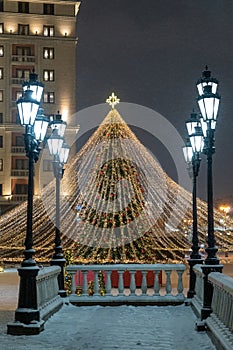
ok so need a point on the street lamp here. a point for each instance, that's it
(60, 151)
(208, 101)
(35, 124)
(192, 151)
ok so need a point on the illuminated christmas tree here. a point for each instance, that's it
(118, 206)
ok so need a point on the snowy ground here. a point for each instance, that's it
(122, 327)
(104, 328)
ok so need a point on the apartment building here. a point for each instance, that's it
(35, 35)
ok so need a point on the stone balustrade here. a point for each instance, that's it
(197, 300)
(48, 300)
(220, 322)
(167, 285)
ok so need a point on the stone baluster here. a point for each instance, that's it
(121, 283)
(108, 286)
(231, 312)
(73, 283)
(225, 307)
(132, 282)
(180, 282)
(168, 281)
(96, 282)
(85, 284)
(156, 283)
(144, 282)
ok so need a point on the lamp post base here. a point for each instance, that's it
(208, 289)
(18, 328)
(27, 315)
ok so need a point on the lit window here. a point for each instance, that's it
(23, 29)
(48, 53)
(48, 30)
(48, 75)
(18, 94)
(1, 73)
(1, 95)
(49, 97)
(1, 51)
(1, 164)
(1, 28)
(22, 74)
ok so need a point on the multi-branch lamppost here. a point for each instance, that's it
(35, 124)
(208, 101)
(192, 151)
(60, 151)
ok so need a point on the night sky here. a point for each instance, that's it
(151, 53)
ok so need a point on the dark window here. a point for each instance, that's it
(0, 189)
(48, 53)
(48, 9)
(1, 117)
(47, 165)
(21, 189)
(23, 29)
(1, 141)
(21, 164)
(23, 51)
(19, 141)
(23, 7)
(1, 6)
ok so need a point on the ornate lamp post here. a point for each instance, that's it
(35, 125)
(208, 101)
(192, 151)
(60, 151)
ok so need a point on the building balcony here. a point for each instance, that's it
(17, 149)
(17, 81)
(19, 172)
(18, 198)
(20, 58)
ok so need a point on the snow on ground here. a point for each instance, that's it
(104, 328)
(120, 327)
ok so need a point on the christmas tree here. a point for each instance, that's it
(120, 206)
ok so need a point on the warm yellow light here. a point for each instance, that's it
(225, 208)
(11, 28)
(113, 100)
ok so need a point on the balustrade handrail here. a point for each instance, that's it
(127, 267)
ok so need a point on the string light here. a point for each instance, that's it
(107, 191)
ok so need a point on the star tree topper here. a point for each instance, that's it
(113, 100)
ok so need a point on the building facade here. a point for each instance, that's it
(41, 36)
